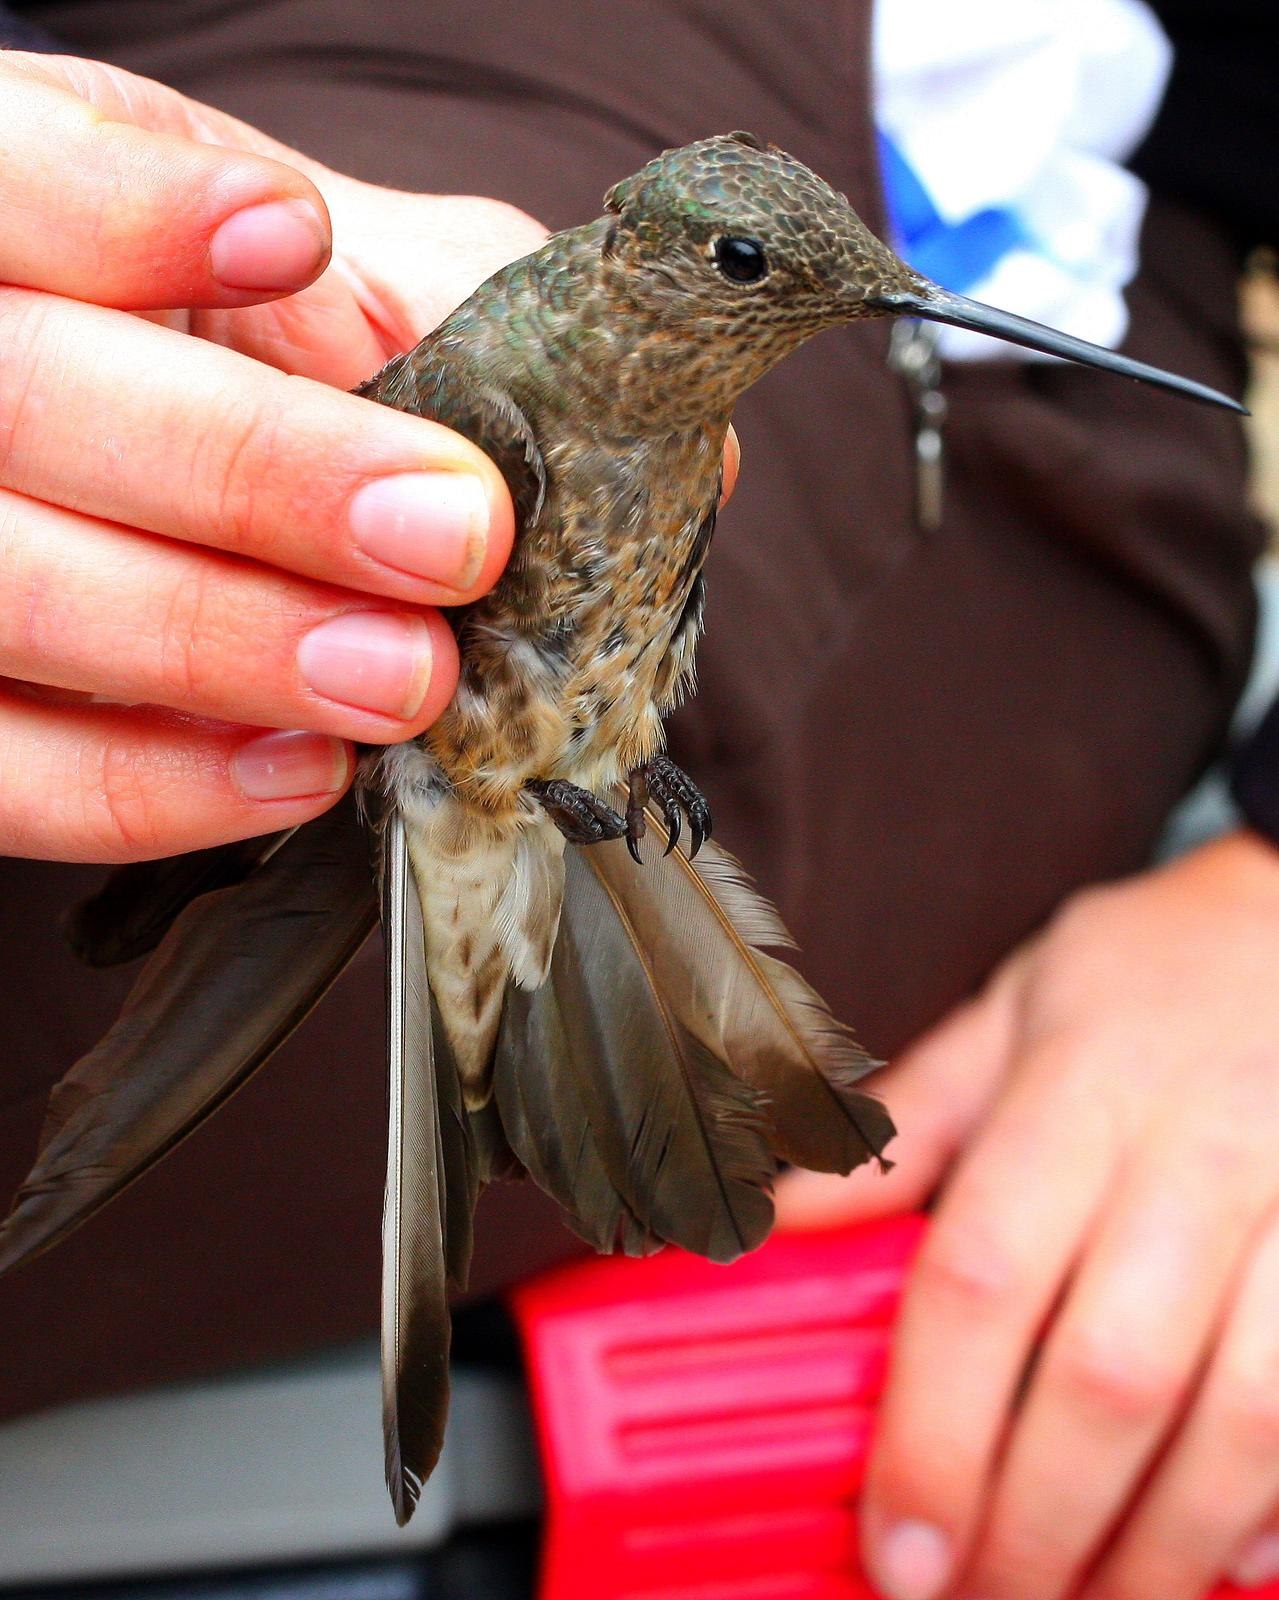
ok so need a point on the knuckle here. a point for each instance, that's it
(236, 466)
(1099, 1372)
(223, 641)
(1023, 1562)
(187, 632)
(29, 349)
(268, 476)
(1250, 1409)
(126, 820)
(233, 458)
(1075, 960)
(1084, 908)
(1140, 1581)
(972, 1269)
(1174, 1559)
(1245, 1102)
(218, 642)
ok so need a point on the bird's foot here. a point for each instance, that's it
(582, 817)
(675, 795)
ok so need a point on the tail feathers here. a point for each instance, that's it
(538, 1094)
(139, 902)
(527, 915)
(445, 1137)
(609, 1098)
(495, 1161)
(701, 926)
(431, 1186)
(820, 1118)
(466, 1157)
(236, 973)
(650, 1084)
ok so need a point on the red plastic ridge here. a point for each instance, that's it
(704, 1429)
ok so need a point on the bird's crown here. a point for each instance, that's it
(749, 208)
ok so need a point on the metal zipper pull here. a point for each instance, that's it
(913, 356)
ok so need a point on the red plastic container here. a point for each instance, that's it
(704, 1429)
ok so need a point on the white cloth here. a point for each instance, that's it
(1029, 106)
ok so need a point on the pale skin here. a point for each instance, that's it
(203, 540)
(1100, 1128)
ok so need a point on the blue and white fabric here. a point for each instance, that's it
(1004, 125)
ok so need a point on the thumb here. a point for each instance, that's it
(123, 193)
(938, 1091)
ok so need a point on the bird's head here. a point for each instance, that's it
(741, 252)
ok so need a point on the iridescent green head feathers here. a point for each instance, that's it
(741, 224)
(735, 241)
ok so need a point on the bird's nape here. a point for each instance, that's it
(934, 304)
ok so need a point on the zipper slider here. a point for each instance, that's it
(913, 356)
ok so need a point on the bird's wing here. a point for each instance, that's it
(432, 381)
(614, 1102)
(139, 902)
(232, 978)
(704, 929)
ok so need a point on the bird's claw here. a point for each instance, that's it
(636, 824)
(582, 817)
(676, 796)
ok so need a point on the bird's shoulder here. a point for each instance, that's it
(444, 380)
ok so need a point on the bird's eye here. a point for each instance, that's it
(742, 260)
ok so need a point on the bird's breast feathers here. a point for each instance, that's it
(570, 664)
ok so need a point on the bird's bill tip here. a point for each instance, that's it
(939, 305)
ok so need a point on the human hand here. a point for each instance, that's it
(1105, 1120)
(216, 546)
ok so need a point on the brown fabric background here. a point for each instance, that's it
(919, 746)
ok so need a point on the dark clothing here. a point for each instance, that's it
(19, 35)
(1216, 145)
(1216, 140)
(919, 745)
(1255, 778)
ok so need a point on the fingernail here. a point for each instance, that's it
(1257, 1563)
(289, 766)
(430, 524)
(912, 1561)
(279, 245)
(370, 659)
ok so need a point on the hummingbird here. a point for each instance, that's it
(626, 1034)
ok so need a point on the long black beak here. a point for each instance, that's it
(939, 305)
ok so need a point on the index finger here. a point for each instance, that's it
(211, 448)
(111, 211)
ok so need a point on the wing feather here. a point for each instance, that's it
(236, 973)
(139, 902)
